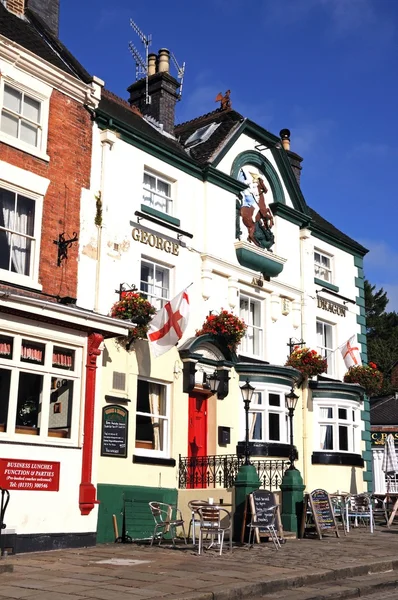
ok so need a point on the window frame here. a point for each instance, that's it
(265, 409)
(353, 424)
(329, 270)
(38, 91)
(47, 371)
(169, 200)
(30, 280)
(157, 301)
(148, 452)
(243, 348)
(325, 351)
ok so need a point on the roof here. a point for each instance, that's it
(330, 229)
(228, 120)
(384, 411)
(119, 109)
(32, 34)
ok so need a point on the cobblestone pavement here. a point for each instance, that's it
(138, 572)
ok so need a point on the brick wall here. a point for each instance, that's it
(16, 6)
(69, 147)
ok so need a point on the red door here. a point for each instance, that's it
(197, 441)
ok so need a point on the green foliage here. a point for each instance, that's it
(307, 361)
(382, 333)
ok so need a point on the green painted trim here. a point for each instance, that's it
(362, 339)
(361, 320)
(139, 521)
(191, 349)
(326, 284)
(223, 180)
(359, 282)
(358, 262)
(157, 213)
(367, 455)
(365, 416)
(361, 292)
(365, 435)
(260, 263)
(360, 301)
(350, 247)
(256, 159)
(350, 389)
(368, 476)
(257, 371)
(289, 214)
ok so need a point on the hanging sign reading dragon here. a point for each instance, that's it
(256, 214)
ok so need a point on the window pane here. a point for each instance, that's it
(29, 133)
(31, 109)
(274, 400)
(149, 181)
(25, 219)
(273, 426)
(9, 124)
(6, 346)
(244, 309)
(12, 99)
(164, 188)
(257, 398)
(20, 254)
(326, 437)
(29, 403)
(5, 380)
(63, 358)
(256, 426)
(326, 412)
(342, 413)
(151, 427)
(328, 336)
(32, 352)
(61, 400)
(343, 437)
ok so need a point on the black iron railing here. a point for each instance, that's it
(221, 470)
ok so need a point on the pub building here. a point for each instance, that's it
(215, 204)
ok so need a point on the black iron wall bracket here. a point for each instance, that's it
(63, 246)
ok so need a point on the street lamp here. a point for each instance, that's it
(291, 403)
(247, 394)
(214, 382)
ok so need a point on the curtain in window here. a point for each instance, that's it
(20, 220)
(326, 431)
(154, 407)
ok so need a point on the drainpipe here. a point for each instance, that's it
(305, 234)
(108, 138)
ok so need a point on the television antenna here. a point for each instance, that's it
(141, 64)
(180, 72)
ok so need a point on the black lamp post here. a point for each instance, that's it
(247, 394)
(291, 403)
(214, 382)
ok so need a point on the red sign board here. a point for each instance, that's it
(29, 475)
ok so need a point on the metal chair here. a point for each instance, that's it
(194, 506)
(359, 507)
(338, 504)
(164, 522)
(214, 521)
(268, 526)
(379, 507)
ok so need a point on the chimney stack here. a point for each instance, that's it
(294, 159)
(16, 6)
(48, 11)
(162, 91)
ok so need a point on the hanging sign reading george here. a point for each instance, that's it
(29, 475)
(114, 431)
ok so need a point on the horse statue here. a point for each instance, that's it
(259, 227)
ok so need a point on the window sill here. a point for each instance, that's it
(347, 459)
(15, 143)
(153, 460)
(160, 215)
(274, 449)
(326, 284)
(22, 280)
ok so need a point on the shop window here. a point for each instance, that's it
(323, 266)
(267, 417)
(338, 428)
(39, 389)
(324, 333)
(250, 312)
(157, 193)
(155, 283)
(152, 421)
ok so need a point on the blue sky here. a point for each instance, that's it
(325, 69)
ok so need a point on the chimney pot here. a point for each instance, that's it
(151, 64)
(285, 137)
(164, 61)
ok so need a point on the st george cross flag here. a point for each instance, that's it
(169, 324)
(350, 352)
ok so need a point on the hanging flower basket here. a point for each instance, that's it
(368, 376)
(307, 361)
(134, 308)
(226, 327)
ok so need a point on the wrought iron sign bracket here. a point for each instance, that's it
(63, 246)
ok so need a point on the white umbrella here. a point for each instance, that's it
(390, 462)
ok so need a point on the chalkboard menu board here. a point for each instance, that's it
(257, 508)
(319, 506)
(114, 431)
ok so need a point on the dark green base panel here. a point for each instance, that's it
(40, 542)
(139, 521)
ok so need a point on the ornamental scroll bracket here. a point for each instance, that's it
(64, 245)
